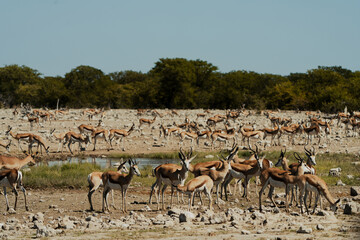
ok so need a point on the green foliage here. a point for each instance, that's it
(182, 83)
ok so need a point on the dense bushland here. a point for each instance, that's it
(181, 83)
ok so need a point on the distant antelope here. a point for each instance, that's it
(145, 121)
(26, 137)
(120, 134)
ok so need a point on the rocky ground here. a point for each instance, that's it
(62, 213)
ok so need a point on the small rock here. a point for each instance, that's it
(355, 190)
(186, 216)
(350, 208)
(336, 172)
(340, 183)
(209, 156)
(302, 229)
(320, 227)
(245, 232)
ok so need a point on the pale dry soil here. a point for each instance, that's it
(72, 202)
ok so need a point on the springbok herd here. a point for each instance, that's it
(169, 129)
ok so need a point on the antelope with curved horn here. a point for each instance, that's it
(245, 170)
(120, 134)
(117, 181)
(311, 131)
(12, 178)
(26, 137)
(71, 137)
(199, 184)
(313, 183)
(40, 143)
(145, 121)
(171, 174)
(279, 178)
(95, 181)
(218, 175)
(250, 134)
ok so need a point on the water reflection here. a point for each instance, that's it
(108, 162)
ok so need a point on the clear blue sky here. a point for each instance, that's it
(269, 36)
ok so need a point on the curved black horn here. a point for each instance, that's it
(190, 153)
(297, 156)
(313, 150)
(306, 150)
(181, 154)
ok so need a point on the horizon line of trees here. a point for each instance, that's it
(180, 83)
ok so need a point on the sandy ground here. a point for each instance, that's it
(58, 204)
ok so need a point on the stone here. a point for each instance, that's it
(186, 216)
(245, 232)
(38, 217)
(320, 227)
(355, 190)
(209, 156)
(305, 230)
(218, 218)
(350, 208)
(335, 172)
(340, 183)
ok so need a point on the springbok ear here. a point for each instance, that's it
(337, 201)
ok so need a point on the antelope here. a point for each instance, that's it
(250, 134)
(204, 135)
(95, 181)
(32, 120)
(11, 178)
(86, 129)
(149, 122)
(60, 138)
(169, 131)
(271, 132)
(6, 145)
(100, 134)
(71, 137)
(245, 170)
(15, 112)
(117, 181)
(290, 131)
(174, 112)
(45, 116)
(7, 162)
(26, 137)
(279, 178)
(293, 168)
(40, 143)
(188, 136)
(171, 174)
(120, 134)
(200, 115)
(199, 184)
(218, 175)
(315, 184)
(355, 125)
(216, 119)
(311, 131)
(222, 137)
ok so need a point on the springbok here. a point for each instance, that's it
(315, 184)
(279, 178)
(171, 174)
(120, 134)
(199, 184)
(7, 162)
(12, 178)
(117, 181)
(95, 181)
